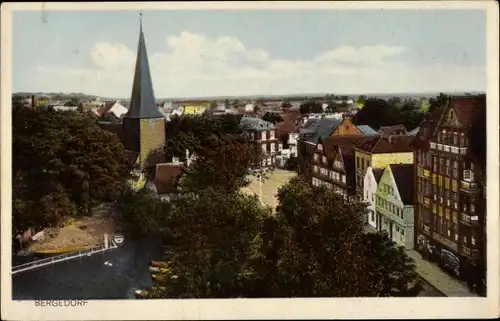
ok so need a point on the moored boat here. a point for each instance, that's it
(159, 264)
(158, 269)
(141, 294)
(159, 277)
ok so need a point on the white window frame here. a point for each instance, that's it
(468, 175)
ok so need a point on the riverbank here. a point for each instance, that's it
(78, 233)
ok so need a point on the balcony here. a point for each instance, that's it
(448, 148)
(468, 187)
(470, 253)
(471, 220)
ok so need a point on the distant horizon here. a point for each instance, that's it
(214, 53)
(264, 96)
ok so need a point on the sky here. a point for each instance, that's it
(225, 53)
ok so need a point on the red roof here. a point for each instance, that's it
(167, 176)
(386, 145)
(288, 124)
(465, 107)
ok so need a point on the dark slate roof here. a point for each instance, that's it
(390, 130)
(323, 128)
(255, 124)
(403, 176)
(367, 130)
(142, 103)
(421, 140)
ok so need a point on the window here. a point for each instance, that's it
(472, 208)
(467, 175)
(472, 240)
(462, 139)
(455, 138)
(465, 240)
(456, 237)
(324, 157)
(320, 147)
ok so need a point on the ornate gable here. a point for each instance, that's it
(450, 119)
(338, 161)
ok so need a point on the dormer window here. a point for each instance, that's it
(320, 147)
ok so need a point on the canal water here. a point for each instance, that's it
(88, 277)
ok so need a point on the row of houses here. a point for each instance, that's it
(421, 187)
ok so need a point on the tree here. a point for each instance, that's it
(437, 102)
(214, 235)
(144, 215)
(223, 162)
(59, 158)
(315, 247)
(377, 112)
(188, 132)
(213, 105)
(360, 101)
(309, 107)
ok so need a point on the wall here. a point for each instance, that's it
(360, 171)
(369, 191)
(152, 136)
(382, 160)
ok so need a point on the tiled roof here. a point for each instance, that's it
(390, 130)
(167, 176)
(346, 143)
(413, 132)
(403, 176)
(367, 130)
(465, 107)
(377, 173)
(254, 123)
(421, 140)
(386, 145)
(323, 128)
(288, 124)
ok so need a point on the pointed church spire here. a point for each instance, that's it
(142, 102)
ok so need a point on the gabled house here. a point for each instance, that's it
(378, 152)
(394, 203)
(370, 183)
(331, 162)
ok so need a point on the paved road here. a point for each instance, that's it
(433, 275)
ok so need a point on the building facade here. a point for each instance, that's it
(394, 204)
(450, 214)
(370, 183)
(264, 134)
(379, 152)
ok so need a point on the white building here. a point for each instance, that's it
(370, 183)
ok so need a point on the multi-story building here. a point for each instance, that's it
(450, 215)
(379, 152)
(264, 134)
(394, 204)
(370, 183)
(332, 164)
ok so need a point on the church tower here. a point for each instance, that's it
(143, 124)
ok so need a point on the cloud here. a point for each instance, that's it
(194, 65)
